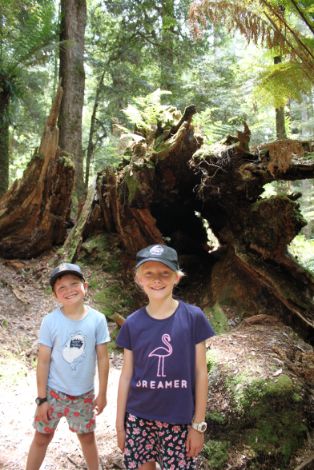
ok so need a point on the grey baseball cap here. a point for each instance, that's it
(161, 253)
(65, 268)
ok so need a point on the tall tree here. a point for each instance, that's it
(72, 74)
(26, 29)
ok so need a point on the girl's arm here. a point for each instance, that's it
(103, 371)
(195, 440)
(42, 372)
(123, 391)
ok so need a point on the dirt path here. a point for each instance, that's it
(24, 299)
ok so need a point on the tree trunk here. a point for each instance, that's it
(280, 114)
(166, 47)
(34, 213)
(92, 130)
(172, 189)
(73, 21)
(4, 140)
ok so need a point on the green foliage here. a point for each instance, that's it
(148, 110)
(216, 453)
(303, 250)
(281, 82)
(218, 319)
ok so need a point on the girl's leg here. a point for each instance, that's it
(38, 450)
(148, 466)
(89, 448)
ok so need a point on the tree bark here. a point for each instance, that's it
(170, 190)
(72, 75)
(4, 137)
(166, 46)
(34, 213)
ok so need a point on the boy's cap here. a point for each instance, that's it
(65, 268)
(161, 253)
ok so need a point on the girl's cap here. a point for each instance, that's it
(161, 253)
(65, 268)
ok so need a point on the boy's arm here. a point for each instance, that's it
(123, 391)
(42, 372)
(195, 440)
(103, 371)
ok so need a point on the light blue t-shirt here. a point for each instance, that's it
(73, 349)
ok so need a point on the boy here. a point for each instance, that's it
(71, 337)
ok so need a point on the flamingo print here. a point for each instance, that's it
(161, 352)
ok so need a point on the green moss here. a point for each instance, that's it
(100, 248)
(216, 417)
(211, 360)
(218, 319)
(66, 160)
(132, 185)
(109, 300)
(271, 415)
(216, 453)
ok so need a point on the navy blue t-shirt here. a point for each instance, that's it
(163, 383)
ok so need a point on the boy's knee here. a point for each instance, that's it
(42, 439)
(87, 438)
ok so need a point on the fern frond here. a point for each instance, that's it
(281, 82)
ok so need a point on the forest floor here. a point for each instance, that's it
(25, 297)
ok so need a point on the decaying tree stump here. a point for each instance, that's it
(170, 187)
(35, 211)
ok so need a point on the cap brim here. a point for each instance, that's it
(63, 273)
(170, 265)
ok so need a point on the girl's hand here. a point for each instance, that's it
(99, 404)
(43, 412)
(194, 442)
(121, 439)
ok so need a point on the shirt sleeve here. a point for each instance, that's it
(45, 337)
(123, 339)
(202, 328)
(102, 332)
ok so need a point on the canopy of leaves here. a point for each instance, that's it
(284, 27)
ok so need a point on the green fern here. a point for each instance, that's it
(281, 82)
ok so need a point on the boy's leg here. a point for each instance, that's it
(38, 450)
(89, 448)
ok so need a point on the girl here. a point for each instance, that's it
(163, 385)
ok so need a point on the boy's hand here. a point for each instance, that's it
(121, 439)
(194, 442)
(99, 404)
(43, 412)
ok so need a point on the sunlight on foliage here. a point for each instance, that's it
(148, 110)
(210, 129)
(303, 250)
(280, 82)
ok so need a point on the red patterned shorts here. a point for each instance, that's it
(148, 441)
(78, 411)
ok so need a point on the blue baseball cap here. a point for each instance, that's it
(161, 253)
(65, 268)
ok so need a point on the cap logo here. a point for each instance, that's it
(63, 266)
(156, 250)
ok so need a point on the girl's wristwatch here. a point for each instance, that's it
(200, 427)
(39, 401)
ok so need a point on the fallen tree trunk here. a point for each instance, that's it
(35, 211)
(171, 188)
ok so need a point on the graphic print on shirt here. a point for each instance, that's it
(161, 353)
(73, 351)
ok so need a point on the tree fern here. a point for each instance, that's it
(285, 27)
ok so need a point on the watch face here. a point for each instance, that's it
(203, 427)
(39, 400)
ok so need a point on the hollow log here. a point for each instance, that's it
(172, 188)
(34, 213)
